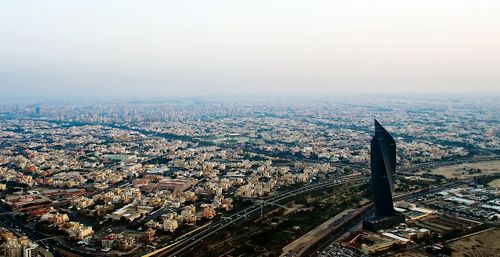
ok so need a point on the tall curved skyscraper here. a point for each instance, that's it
(383, 167)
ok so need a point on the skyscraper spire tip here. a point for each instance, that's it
(378, 126)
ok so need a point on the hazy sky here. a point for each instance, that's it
(130, 49)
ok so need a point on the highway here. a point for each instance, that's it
(181, 244)
(185, 242)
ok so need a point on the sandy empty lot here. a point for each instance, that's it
(495, 183)
(482, 244)
(461, 171)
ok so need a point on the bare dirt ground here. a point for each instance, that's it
(293, 208)
(495, 183)
(485, 243)
(468, 170)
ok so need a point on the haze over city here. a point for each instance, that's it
(162, 49)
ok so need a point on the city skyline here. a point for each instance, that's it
(201, 178)
(249, 128)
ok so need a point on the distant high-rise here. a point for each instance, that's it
(383, 166)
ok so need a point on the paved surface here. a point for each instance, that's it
(183, 244)
(299, 246)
